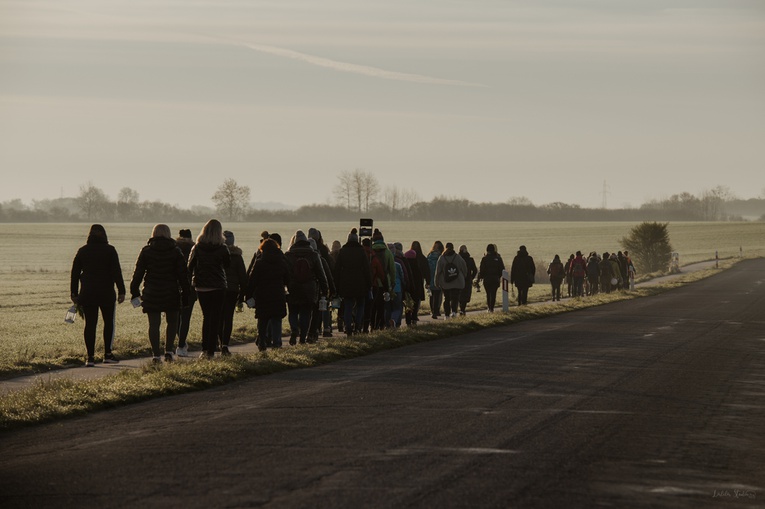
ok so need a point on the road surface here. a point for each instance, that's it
(654, 402)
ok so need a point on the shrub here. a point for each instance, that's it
(649, 247)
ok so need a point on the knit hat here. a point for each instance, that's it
(377, 235)
(184, 233)
(353, 236)
(399, 246)
(276, 237)
(313, 233)
(410, 254)
(300, 236)
(312, 241)
(229, 238)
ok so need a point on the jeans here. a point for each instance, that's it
(270, 328)
(436, 298)
(353, 314)
(451, 301)
(300, 320)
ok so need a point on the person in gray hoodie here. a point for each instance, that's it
(451, 274)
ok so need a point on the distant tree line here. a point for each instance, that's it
(359, 194)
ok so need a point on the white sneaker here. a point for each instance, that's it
(182, 351)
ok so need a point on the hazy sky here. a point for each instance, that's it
(485, 100)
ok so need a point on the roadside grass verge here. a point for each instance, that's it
(50, 400)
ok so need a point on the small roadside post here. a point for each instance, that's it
(505, 289)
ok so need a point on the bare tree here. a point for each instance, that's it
(231, 199)
(92, 201)
(357, 189)
(127, 203)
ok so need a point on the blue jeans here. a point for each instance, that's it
(270, 329)
(300, 320)
(353, 313)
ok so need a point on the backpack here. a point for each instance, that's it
(451, 272)
(577, 268)
(302, 271)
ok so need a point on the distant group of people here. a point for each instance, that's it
(368, 283)
(592, 274)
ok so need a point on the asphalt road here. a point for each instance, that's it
(655, 402)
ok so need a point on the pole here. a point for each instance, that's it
(717, 260)
(505, 288)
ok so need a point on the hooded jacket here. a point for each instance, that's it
(523, 270)
(268, 277)
(161, 267)
(451, 256)
(95, 271)
(353, 275)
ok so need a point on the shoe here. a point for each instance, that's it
(327, 333)
(168, 357)
(182, 351)
(205, 356)
(293, 340)
(434, 317)
(91, 362)
(224, 351)
(109, 358)
(156, 360)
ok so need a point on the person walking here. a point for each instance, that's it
(95, 272)
(606, 273)
(578, 270)
(161, 267)
(236, 285)
(268, 278)
(207, 264)
(420, 271)
(436, 294)
(379, 285)
(451, 273)
(556, 273)
(353, 278)
(522, 273)
(306, 281)
(472, 271)
(185, 243)
(490, 272)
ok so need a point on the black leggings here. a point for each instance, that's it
(171, 327)
(211, 303)
(91, 321)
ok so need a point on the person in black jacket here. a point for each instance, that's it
(353, 278)
(236, 285)
(207, 264)
(185, 243)
(95, 271)
(472, 272)
(266, 283)
(161, 267)
(490, 272)
(522, 274)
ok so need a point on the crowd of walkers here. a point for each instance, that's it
(362, 285)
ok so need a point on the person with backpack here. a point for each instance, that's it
(161, 267)
(557, 273)
(472, 271)
(307, 280)
(522, 273)
(577, 270)
(379, 284)
(95, 272)
(436, 294)
(451, 273)
(490, 272)
(381, 308)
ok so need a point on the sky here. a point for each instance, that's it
(589, 102)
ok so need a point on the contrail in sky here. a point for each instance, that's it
(364, 70)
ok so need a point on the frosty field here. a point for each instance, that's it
(36, 259)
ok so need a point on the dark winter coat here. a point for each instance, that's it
(472, 271)
(556, 271)
(523, 270)
(185, 244)
(376, 269)
(305, 293)
(236, 273)
(95, 271)
(432, 259)
(161, 267)
(353, 275)
(207, 265)
(418, 280)
(491, 269)
(268, 277)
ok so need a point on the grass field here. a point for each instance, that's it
(36, 259)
